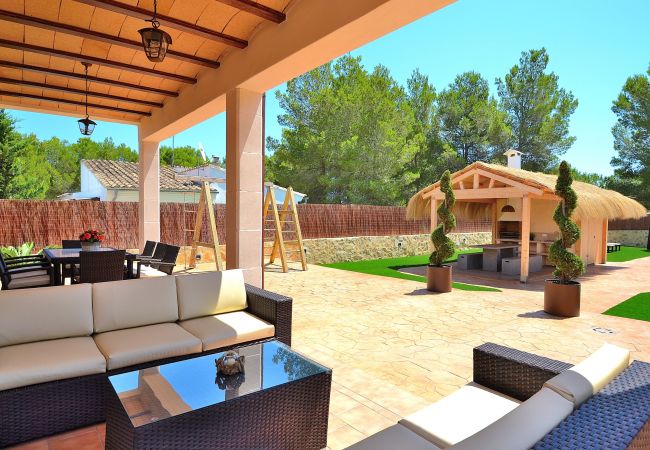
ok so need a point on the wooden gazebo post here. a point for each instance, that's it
(525, 237)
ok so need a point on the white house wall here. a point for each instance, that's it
(90, 185)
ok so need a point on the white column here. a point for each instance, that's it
(244, 181)
(149, 192)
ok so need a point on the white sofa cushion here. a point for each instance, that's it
(522, 427)
(149, 343)
(459, 415)
(396, 437)
(31, 315)
(134, 303)
(38, 362)
(586, 378)
(210, 293)
(228, 329)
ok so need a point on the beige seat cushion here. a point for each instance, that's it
(147, 272)
(124, 348)
(228, 329)
(396, 437)
(26, 282)
(210, 293)
(586, 378)
(15, 276)
(459, 415)
(39, 314)
(38, 362)
(521, 428)
(134, 303)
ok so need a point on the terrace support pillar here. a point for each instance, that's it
(525, 238)
(244, 183)
(149, 192)
(602, 255)
(434, 219)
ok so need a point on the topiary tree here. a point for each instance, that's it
(568, 266)
(444, 247)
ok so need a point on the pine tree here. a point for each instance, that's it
(444, 247)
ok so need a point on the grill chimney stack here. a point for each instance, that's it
(514, 158)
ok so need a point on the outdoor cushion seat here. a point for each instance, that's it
(132, 346)
(210, 293)
(38, 362)
(35, 273)
(578, 383)
(459, 415)
(18, 282)
(228, 329)
(394, 438)
(147, 272)
(522, 427)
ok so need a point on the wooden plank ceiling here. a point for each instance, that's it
(43, 42)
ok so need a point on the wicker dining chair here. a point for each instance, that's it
(70, 269)
(98, 267)
(71, 243)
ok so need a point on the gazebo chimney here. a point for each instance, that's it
(514, 158)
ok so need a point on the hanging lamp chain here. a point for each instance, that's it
(86, 67)
(153, 20)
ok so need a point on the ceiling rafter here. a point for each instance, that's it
(94, 60)
(140, 13)
(53, 87)
(73, 102)
(97, 36)
(81, 76)
(256, 9)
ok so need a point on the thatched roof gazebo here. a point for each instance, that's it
(521, 203)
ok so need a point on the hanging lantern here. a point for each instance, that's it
(86, 126)
(154, 40)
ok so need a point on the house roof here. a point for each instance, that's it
(593, 201)
(124, 175)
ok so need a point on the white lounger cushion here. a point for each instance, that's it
(228, 329)
(521, 428)
(38, 362)
(586, 378)
(459, 415)
(396, 437)
(139, 345)
(209, 293)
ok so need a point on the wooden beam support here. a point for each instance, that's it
(94, 60)
(472, 194)
(72, 102)
(97, 36)
(525, 238)
(461, 185)
(53, 87)
(434, 219)
(495, 220)
(510, 182)
(166, 21)
(602, 259)
(476, 181)
(491, 185)
(256, 9)
(81, 76)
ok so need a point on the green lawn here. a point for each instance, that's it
(637, 307)
(388, 267)
(628, 254)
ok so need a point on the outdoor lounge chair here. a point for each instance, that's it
(148, 250)
(168, 261)
(158, 254)
(25, 272)
(99, 267)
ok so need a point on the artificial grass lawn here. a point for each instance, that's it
(637, 307)
(628, 254)
(388, 267)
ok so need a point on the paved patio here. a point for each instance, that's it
(396, 348)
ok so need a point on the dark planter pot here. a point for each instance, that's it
(562, 299)
(439, 278)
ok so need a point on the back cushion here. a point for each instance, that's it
(210, 293)
(39, 314)
(134, 303)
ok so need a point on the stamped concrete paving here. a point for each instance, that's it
(396, 348)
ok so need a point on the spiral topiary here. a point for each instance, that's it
(568, 266)
(444, 247)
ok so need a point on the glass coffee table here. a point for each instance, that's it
(280, 402)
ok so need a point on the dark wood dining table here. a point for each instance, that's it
(62, 256)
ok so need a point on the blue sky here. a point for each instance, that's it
(594, 45)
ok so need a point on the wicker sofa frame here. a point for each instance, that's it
(44, 409)
(616, 418)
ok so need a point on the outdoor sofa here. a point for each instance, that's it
(59, 343)
(519, 401)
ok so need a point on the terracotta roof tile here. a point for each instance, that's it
(124, 175)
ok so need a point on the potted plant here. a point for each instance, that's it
(439, 274)
(562, 294)
(91, 239)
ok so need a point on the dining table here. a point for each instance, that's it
(60, 257)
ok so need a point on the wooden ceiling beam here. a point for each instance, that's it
(73, 102)
(97, 36)
(53, 87)
(94, 60)
(188, 27)
(256, 9)
(81, 76)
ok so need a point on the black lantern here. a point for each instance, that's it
(86, 126)
(154, 40)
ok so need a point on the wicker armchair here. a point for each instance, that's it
(98, 267)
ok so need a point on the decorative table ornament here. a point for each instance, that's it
(230, 363)
(91, 240)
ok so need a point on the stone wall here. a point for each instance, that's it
(632, 238)
(330, 250)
